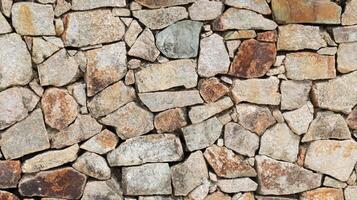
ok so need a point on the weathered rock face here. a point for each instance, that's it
(60, 183)
(212, 9)
(322, 193)
(10, 173)
(294, 94)
(349, 17)
(345, 34)
(101, 143)
(163, 3)
(8, 196)
(299, 119)
(212, 89)
(346, 59)
(170, 120)
(4, 25)
(144, 47)
(109, 190)
(92, 165)
(352, 119)
(91, 4)
(218, 196)
(237, 185)
(259, 6)
(253, 59)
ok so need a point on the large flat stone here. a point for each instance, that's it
(349, 16)
(91, 4)
(294, 94)
(259, 6)
(212, 9)
(300, 119)
(163, 3)
(345, 34)
(92, 165)
(237, 185)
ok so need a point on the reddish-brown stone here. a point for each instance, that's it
(7, 196)
(217, 196)
(267, 36)
(352, 119)
(61, 183)
(10, 173)
(170, 120)
(253, 59)
(323, 194)
(212, 89)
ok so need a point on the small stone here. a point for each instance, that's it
(259, 6)
(160, 18)
(259, 91)
(110, 99)
(294, 94)
(331, 157)
(212, 9)
(147, 149)
(234, 18)
(5, 7)
(345, 34)
(144, 47)
(159, 101)
(109, 190)
(59, 183)
(279, 60)
(320, 12)
(200, 192)
(58, 70)
(91, 4)
(211, 63)
(156, 77)
(189, 174)
(105, 66)
(294, 37)
(227, 164)
(17, 68)
(10, 173)
(331, 182)
(212, 89)
(338, 94)
(218, 196)
(4, 25)
(163, 3)
(59, 107)
(253, 59)
(92, 165)
(232, 46)
(77, 90)
(130, 121)
(202, 112)
(25, 137)
(300, 119)
(346, 59)
(170, 120)
(50, 159)
(327, 125)
(4, 195)
(240, 140)
(147, 179)
(349, 17)
(91, 28)
(237, 185)
(101, 143)
(307, 65)
(41, 50)
(351, 193)
(322, 194)
(328, 51)
(132, 33)
(240, 34)
(121, 12)
(29, 18)
(202, 135)
(179, 40)
(62, 6)
(352, 119)
(282, 178)
(129, 78)
(267, 36)
(276, 71)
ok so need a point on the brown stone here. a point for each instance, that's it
(267, 36)
(60, 183)
(212, 89)
(323, 194)
(7, 196)
(170, 120)
(218, 196)
(10, 173)
(352, 119)
(253, 59)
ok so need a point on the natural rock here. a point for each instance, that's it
(331, 182)
(259, 6)
(322, 194)
(109, 190)
(212, 89)
(274, 198)
(306, 65)
(92, 165)
(156, 77)
(91, 4)
(163, 3)
(101, 143)
(282, 178)
(5, 7)
(179, 40)
(352, 119)
(147, 149)
(218, 196)
(132, 33)
(349, 17)
(60, 183)
(50, 159)
(345, 34)
(202, 135)
(212, 62)
(159, 101)
(259, 91)
(351, 192)
(346, 59)
(4, 25)
(130, 121)
(253, 59)
(25, 137)
(10, 174)
(232, 46)
(17, 68)
(170, 120)
(147, 179)
(212, 9)
(105, 66)
(294, 94)
(267, 36)
(234, 18)
(237, 185)
(42, 49)
(189, 174)
(240, 34)
(300, 119)
(4, 195)
(327, 51)
(91, 28)
(144, 47)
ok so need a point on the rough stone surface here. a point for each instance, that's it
(10, 173)
(350, 192)
(163, 3)
(345, 34)
(212, 9)
(101, 143)
(218, 196)
(237, 185)
(4, 25)
(322, 193)
(109, 190)
(144, 47)
(91, 4)
(259, 6)
(42, 49)
(346, 59)
(8, 196)
(352, 119)
(300, 119)
(92, 165)
(349, 17)
(170, 120)
(294, 94)
(212, 89)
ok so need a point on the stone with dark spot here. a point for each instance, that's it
(60, 183)
(4, 195)
(352, 119)
(163, 3)
(212, 89)
(10, 173)
(253, 59)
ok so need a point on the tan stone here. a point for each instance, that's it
(144, 47)
(349, 17)
(170, 120)
(259, 6)
(218, 196)
(352, 119)
(344, 34)
(299, 119)
(346, 57)
(323, 194)
(4, 195)
(101, 143)
(294, 94)
(91, 4)
(92, 165)
(212, 89)
(212, 9)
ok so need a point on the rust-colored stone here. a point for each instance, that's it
(10, 173)
(60, 183)
(218, 196)
(212, 89)
(267, 36)
(170, 120)
(323, 194)
(7, 196)
(352, 119)
(253, 59)
(301, 155)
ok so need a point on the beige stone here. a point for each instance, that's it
(346, 58)
(259, 6)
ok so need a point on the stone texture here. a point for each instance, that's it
(91, 4)
(60, 183)
(212, 89)
(15, 69)
(50, 159)
(10, 173)
(160, 18)
(349, 17)
(5, 7)
(25, 137)
(314, 12)
(237, 185)
(218, 196)
(170, 120)
(352, 119)
(202, 135)
(294, 37)
(346, 58)
(109, 190)
(267, 36)
(179, 40)
(30, 18)
(148, 179)
(92, 165)
(258, 91)
(8, 196)
(42, 49)
(130, 121)
(163, 3)
(144, 47)
(306, 65)
(350, 192)
(300, 119)
(282, 178)
(212, 9)
(253, 59)
(212, 62)
(189, 174)
(132, 33)
(4, 25)
(242, 19)
(156, 77)
(345, 34)
(259, 6)
(101, 143)
(91, 28)
(159, 101)
(105, 66)
(294, 94)
(322, 193)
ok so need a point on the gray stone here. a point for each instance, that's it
(163, 3)
(5, 7)
(259, 6)
(299, 119)
(349, 17)
(147, 149)
(203, 10)
(109, 190)
(346, 58)
(92, 165)
(345, 34)
(331, 182)
(132, 33)
(144, 47)
(42, 49)
(294, 94)
(91, 4)
(179, 40)
(351, 191)
(101, 143)
(327, 51)
(4, 25)
(237, 185)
